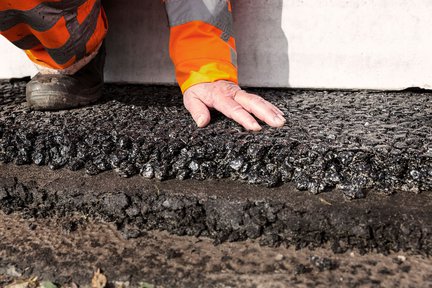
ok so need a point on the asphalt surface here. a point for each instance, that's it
(344, 145)
(350, 171)
(359, 142)
(223, 210)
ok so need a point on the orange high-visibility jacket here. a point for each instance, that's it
(59, 33)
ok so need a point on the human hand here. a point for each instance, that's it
(235, 103)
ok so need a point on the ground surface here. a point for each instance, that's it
(60, 175)
(356, 141)
(49, 249)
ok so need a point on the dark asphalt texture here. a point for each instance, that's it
(222, 210)
(359, 142)
(68, 250)
(372, 145)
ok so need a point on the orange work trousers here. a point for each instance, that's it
(54, 33)
(59, 33)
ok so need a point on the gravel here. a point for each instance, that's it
(359, 142)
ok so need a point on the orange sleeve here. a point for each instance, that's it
(202, 46)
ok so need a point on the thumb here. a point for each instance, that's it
(198, 110)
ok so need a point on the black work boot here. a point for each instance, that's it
(57, 92)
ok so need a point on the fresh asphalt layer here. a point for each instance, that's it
(350, 168)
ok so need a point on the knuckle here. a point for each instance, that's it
(236, 108)
(257, 100)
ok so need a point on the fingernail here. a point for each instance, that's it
(279, 120)
(200, 120)
(280, 111)
(256, 126)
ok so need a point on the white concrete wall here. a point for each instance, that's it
(14, 62)
(377, 44)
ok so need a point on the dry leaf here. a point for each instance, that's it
(146, 285)
(47, 284)
(99, 280)
(70, 285)
(30, 283)
(324, 201)
(119, 284)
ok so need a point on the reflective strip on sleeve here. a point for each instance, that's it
(202, 46)
(213, 12)
(233, 57)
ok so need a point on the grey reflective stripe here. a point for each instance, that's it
(225, 36)
(41, 18)
(233, 57)
(27, 43)
(213, 12)
(80, 35)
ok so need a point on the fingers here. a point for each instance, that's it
(235, 111)
(230, 100)
(198, 110)
(277, 109)
(261, 108)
